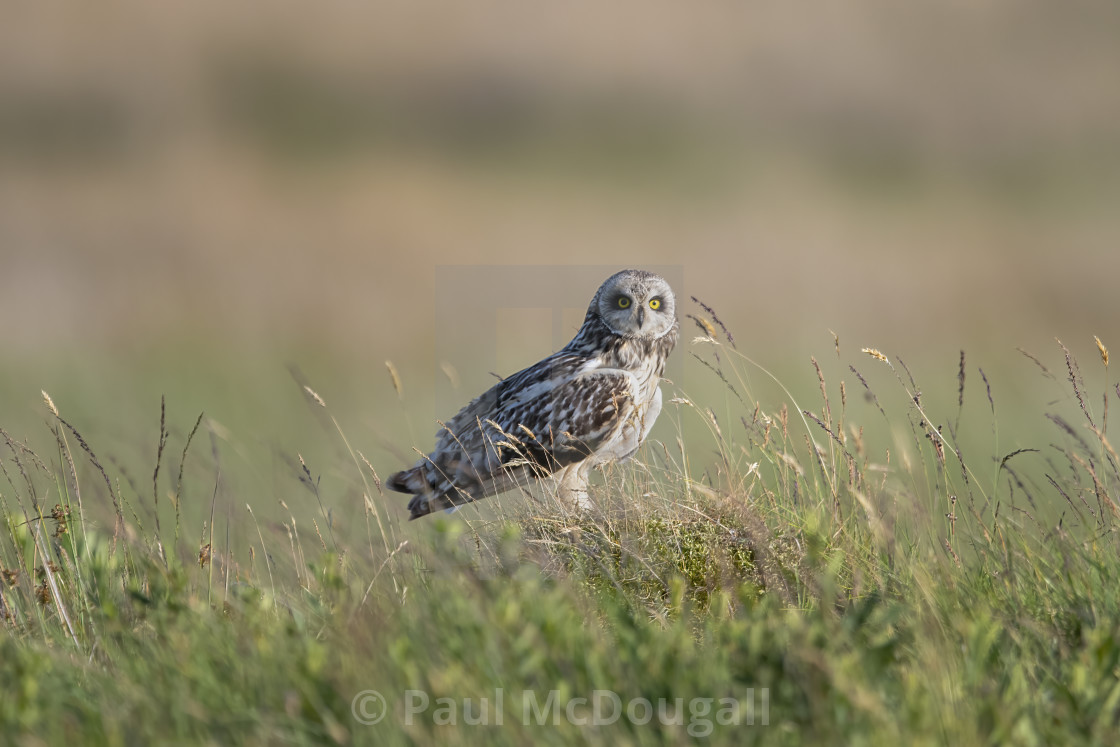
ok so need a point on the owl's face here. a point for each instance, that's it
(635, 303)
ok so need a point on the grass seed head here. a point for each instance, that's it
(704, 325)
(314, 395)
(54, 410)
(396, 379)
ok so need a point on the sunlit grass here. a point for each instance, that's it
(884, 569)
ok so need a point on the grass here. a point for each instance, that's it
(833, 570)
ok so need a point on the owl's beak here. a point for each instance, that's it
(641, 316)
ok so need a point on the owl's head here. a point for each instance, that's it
(636, 303)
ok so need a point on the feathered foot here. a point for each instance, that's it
(571, 486)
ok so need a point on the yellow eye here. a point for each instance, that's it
(623, 302)
(655, 303)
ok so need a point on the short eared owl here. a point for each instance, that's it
(593, 402)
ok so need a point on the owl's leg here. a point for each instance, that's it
(572, 485)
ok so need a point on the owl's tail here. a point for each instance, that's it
(425, 497)
(408, 481)
(414, 482)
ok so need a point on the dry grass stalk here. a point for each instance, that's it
(314, 395)
(396, 379)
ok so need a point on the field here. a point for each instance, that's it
(843, 572)
(249, 258)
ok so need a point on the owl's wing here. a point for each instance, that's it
(563, 420)
(541, 419)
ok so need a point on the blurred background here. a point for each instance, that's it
(210, 199)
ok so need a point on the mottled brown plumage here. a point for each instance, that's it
(592, 402)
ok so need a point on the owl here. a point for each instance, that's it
(592, 402)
